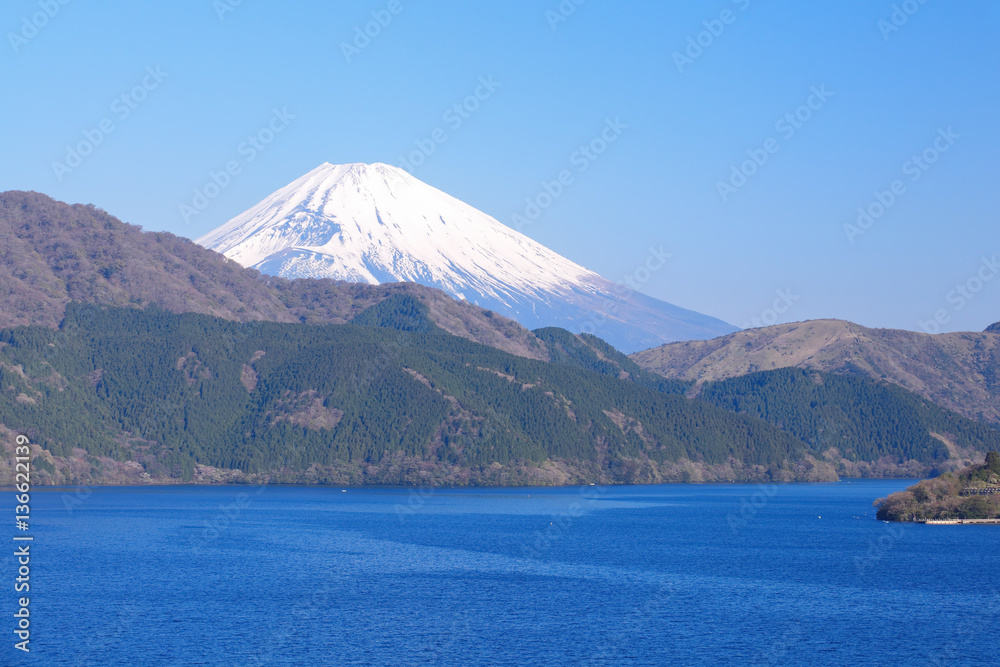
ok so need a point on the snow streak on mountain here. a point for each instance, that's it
(377, 223)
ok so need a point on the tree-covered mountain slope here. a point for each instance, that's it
(122, 394)
(862, 426)
(861, 423)
(591, 353)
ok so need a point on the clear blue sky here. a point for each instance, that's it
(688, 122)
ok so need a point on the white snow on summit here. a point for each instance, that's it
(377, 223)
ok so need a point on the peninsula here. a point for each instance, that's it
(971, 495)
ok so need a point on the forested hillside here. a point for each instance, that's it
(152, 393)
(591, 353)
(855, 418)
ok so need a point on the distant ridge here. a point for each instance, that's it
(377, 223)
(958, 371)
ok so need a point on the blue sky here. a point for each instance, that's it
(868, 85)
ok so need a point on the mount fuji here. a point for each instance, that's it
(377, 224)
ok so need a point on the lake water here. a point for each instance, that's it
(647, 575)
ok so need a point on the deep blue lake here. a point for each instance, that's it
(647, 575)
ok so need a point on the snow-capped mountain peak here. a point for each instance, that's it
(376, 223)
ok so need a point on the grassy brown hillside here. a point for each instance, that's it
(958, 371)
(52, 253)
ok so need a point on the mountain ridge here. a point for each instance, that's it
(958, 371)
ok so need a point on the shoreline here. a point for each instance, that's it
(467, 487)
